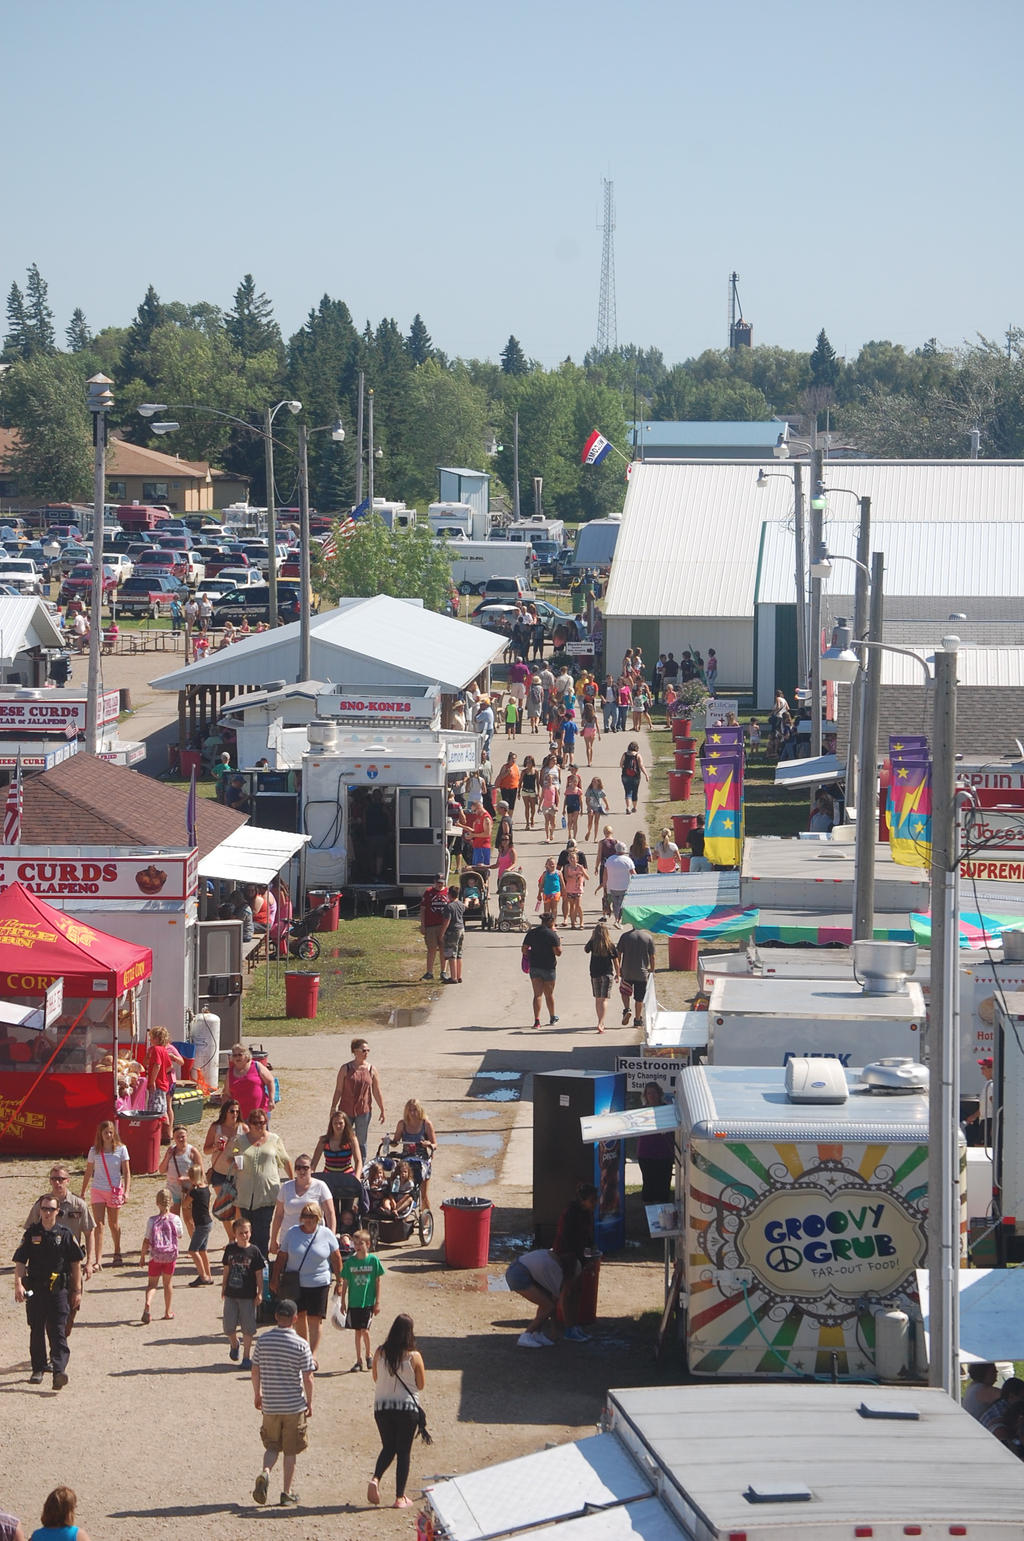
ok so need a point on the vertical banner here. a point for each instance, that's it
(910, 813)
(722, 771)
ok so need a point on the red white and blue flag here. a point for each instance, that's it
(595, 449)
(346, 530)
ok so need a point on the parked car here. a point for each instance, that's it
(494, 615)
(160, 561)
(507, 590)
(71, 557)
(240, 577)
(22, 574)
(149, 595)
(78, 583)
(253, 604)
(215, 587)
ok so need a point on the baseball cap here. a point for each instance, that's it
(286, 1309)
(988, 1060)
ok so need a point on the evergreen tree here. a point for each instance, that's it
(150, 314)
(42, 338)
(418, 344)
(824, 364)
(45, 400)
(78, 335)
(16, 338)
(250, 324)
(513, 359)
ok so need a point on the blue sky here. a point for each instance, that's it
(858, 165)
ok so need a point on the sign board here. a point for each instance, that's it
(579, 649)
(716, 711)
(462, 754)
(54, 713)
(641, 1071)
(995, 829)
(358, 706)
(994, 869)
(52, 875)
(54, 1003)
(990, 778)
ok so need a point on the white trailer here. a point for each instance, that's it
(475, 561)
(471, 523)
(798, 1462)
(771, 1021)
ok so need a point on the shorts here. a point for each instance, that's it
(360, 1317)
(589, 732)
(156, 1101)
(240, 1314)
(601, 986)
(311, 1299)
(453, 944)
(284, 1432)
(218, 1179)
(201, 1237)
(573, 802)
(637, 986)
(161, 1267)
(518, 1278)
(481, 856)
(546, 974)
(517, 690)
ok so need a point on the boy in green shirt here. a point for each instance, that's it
(360, 1292)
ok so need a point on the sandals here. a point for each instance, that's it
(117, 1261)
(373, 1491)
(146, 1317)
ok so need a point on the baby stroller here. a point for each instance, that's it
(473, 893)
(511, 901)
(300, 935)
(351, 1206)
(385, 1225)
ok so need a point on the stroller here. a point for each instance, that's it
(511, 901)
(351, 1206)
(384, 1225)
(473, 893)
(300, 935)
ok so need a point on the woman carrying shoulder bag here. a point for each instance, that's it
(398, 1375)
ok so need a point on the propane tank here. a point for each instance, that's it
(892, 1345)
(205, 1032)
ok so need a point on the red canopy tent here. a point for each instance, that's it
(58, 1081)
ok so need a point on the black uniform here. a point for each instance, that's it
(48, 1257)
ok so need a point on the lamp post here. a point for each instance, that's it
(268, 447)
(817, 511)
(337, 432)
(860, 625)
(800, 575)
(101, 400)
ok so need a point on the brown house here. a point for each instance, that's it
(139, 475)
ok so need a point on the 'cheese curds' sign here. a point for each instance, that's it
(123, 877)
(53, 713)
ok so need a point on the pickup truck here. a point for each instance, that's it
(22, 574)
(78, 583)
(153, 596)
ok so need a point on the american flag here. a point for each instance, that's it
(346, 530)
(13, 808)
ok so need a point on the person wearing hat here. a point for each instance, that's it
(982, 1115)
(282, 1384)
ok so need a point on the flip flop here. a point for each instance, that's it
(146, 1317)
(373, 1491)
(168, 1316)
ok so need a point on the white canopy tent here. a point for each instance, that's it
(251, 855)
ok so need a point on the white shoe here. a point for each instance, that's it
(527, 1340)
(541, 1340)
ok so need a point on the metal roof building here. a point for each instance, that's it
(692, 441)
(686, 567)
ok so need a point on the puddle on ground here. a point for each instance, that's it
(499, 1075)
(476, 1177)
(503, 1094)
(511, 1243)
(479, 1113)
(488, 1144)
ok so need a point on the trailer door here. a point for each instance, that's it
(421, 851)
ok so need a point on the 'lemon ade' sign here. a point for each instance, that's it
(802, 1241)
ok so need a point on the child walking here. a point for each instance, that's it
(164, 1232)
(549, 890)
(360, 1290)
(202, 1224)
(240, 1283)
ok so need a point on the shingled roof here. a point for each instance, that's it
(87, 801)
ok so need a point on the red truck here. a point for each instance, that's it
(141, 516)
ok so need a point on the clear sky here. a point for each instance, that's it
(859, 165)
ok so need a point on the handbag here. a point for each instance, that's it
(421, 1417)
(117, 1193)
(525, 961)
(288, 1285)
(225, 1203)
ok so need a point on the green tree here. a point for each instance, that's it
(45, 400)
(16, 337)
(404, 563)
(324, 359)
(446, 422)
(250, 323)
(43, 339)
(824, 363)
(78, 335)
(198, 367)
(418, 344)
(687, 396)
(513, 359)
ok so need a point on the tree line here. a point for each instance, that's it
(432, 410)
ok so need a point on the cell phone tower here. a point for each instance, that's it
(607, 325)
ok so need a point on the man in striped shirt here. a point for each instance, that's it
(282, 1382)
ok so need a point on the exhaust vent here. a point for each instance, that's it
(883, 968)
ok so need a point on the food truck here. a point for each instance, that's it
(769, 1021)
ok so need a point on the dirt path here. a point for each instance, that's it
(157, 1429)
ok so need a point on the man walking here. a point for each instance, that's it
(48, 1278)
(434, 915)
(73, 1213)
(618, 869)
(282, 1384)
(636, 955)
(542, 948)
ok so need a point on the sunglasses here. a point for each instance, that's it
(47, 1209)
(303, 1169)
(257, 1121)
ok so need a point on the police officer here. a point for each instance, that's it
(48, 1278)
(72, 1212)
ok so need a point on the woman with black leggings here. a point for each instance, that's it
(398, 1374)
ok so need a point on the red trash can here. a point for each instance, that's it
(301, 994)
(329, 920)
(467, 1232)
(686, 761)
(586, 1293)
(684, 863)
(189, 760)
(683, 823)
(681, 727)
(682, 954)
(140, 1135)
(679, 783)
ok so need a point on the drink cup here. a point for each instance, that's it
(239, 1162)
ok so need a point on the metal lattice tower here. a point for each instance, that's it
(607, 325)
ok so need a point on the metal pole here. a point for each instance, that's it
(943, 1102)
(817, 494)
(515, 468)
(359, 440)
(100, 400)
(268, 447)
(305, 666)
(369, 458)
(801, 575)
(864, 866)
(855, 749)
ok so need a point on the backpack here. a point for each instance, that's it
(163, 1241)
(630, 766)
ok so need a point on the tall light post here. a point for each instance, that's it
(268, 451)
(372, 454)
(101, 400)
(781, 451)
(860, 624)
(800, 575)
(337, 433)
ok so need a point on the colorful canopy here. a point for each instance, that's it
(812, 928)
(696, 922)
(976, 931)
(38, 944)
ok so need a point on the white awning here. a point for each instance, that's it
(678, 1030)
(251, 855)
(633, 1121)
(808, 773)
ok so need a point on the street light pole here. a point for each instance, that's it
(359, 440)
(800, 529)
(855, 752)
(268, 460)
(305, 665)
(817, 511)
(515, 468)
(864, 866)
(101, 400)
(369, 458)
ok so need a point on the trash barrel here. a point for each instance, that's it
(467, 1232)
(140, 1135)
(682, 727)
(679, 783)
(329, 920)
(686, 761)
(190, 760)
(586, 1293)
(683, 823)
(301, 994)
(187, 1056)
(682, 954)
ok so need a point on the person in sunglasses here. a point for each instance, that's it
(48, 1281)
